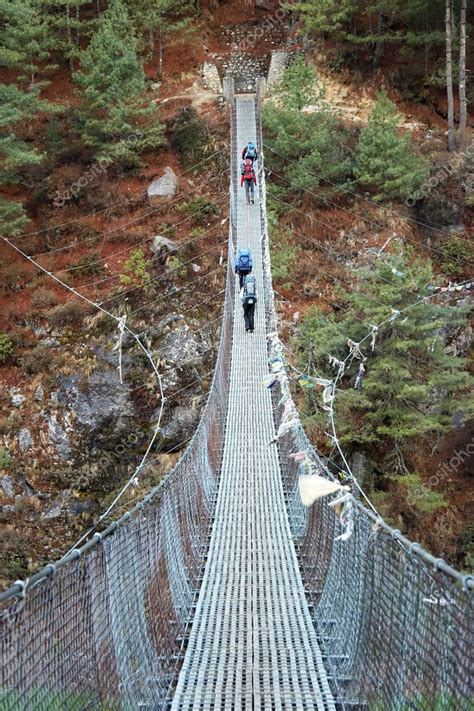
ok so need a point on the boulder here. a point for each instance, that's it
(185, 355)
(163, 189)
(183, 347)
(180, 428)
(25, 440)
(100, 402)
(82, 506)
(162, 247)
(17, 399)
(58, 437)
(53, 511)
(8, 487)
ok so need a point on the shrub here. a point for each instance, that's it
(38, 360)
(385, 160)
(457, 253)
(176, 266)
(13, 276)
(5, 459)
(68, 313)
(189, 136)
(44, 298)
(200, 205)
(6, 347)
(135, 268)
(89, 265)
(283, 254)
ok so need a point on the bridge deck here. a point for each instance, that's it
(252, 644)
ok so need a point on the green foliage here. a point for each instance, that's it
(428, 500)
(115, 118)
(414, 29)
(136, 268)
(90, 264)
(385, 160)
(199, 207)
(16, 154)
(5, 458)
(66, 26)
(53, 700)
(6, 347)
(312, 139)
(189, 137)
(324, 16)
(25, 39)
(412, 387)
(284, 255)
(176, 265)
(164, 15)
(457, 253)
(55, 143)
(441, 702)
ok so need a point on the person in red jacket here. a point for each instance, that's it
(249, 179)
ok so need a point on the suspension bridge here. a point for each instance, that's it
(220, 590)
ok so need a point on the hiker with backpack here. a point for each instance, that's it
(243, 265)
(249, 179)
(249, 152)
(249, 297)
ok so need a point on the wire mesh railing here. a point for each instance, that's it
(396, 625)
(105, 627)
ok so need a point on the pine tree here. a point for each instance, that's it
(66, 26)
(412, 386)
(116, 120)
(25, 42)
(385, 160)
(24, 45)
(153, 20)
(16, 108)
(324, 16)
(312, 139)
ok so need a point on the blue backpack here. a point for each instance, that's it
(251, 152)
(244, 261)
(250, 290)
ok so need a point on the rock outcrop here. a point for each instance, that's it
(163, 189)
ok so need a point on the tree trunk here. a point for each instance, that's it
(160, 53)
(462, 76)
(78, 20)
(449, 75)
(380, 43)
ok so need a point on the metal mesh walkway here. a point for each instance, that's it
(105, 628)
(252, 643)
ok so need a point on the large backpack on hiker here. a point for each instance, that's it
(251, 152)
(243, 262)
(247, 170)
(250, 290)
